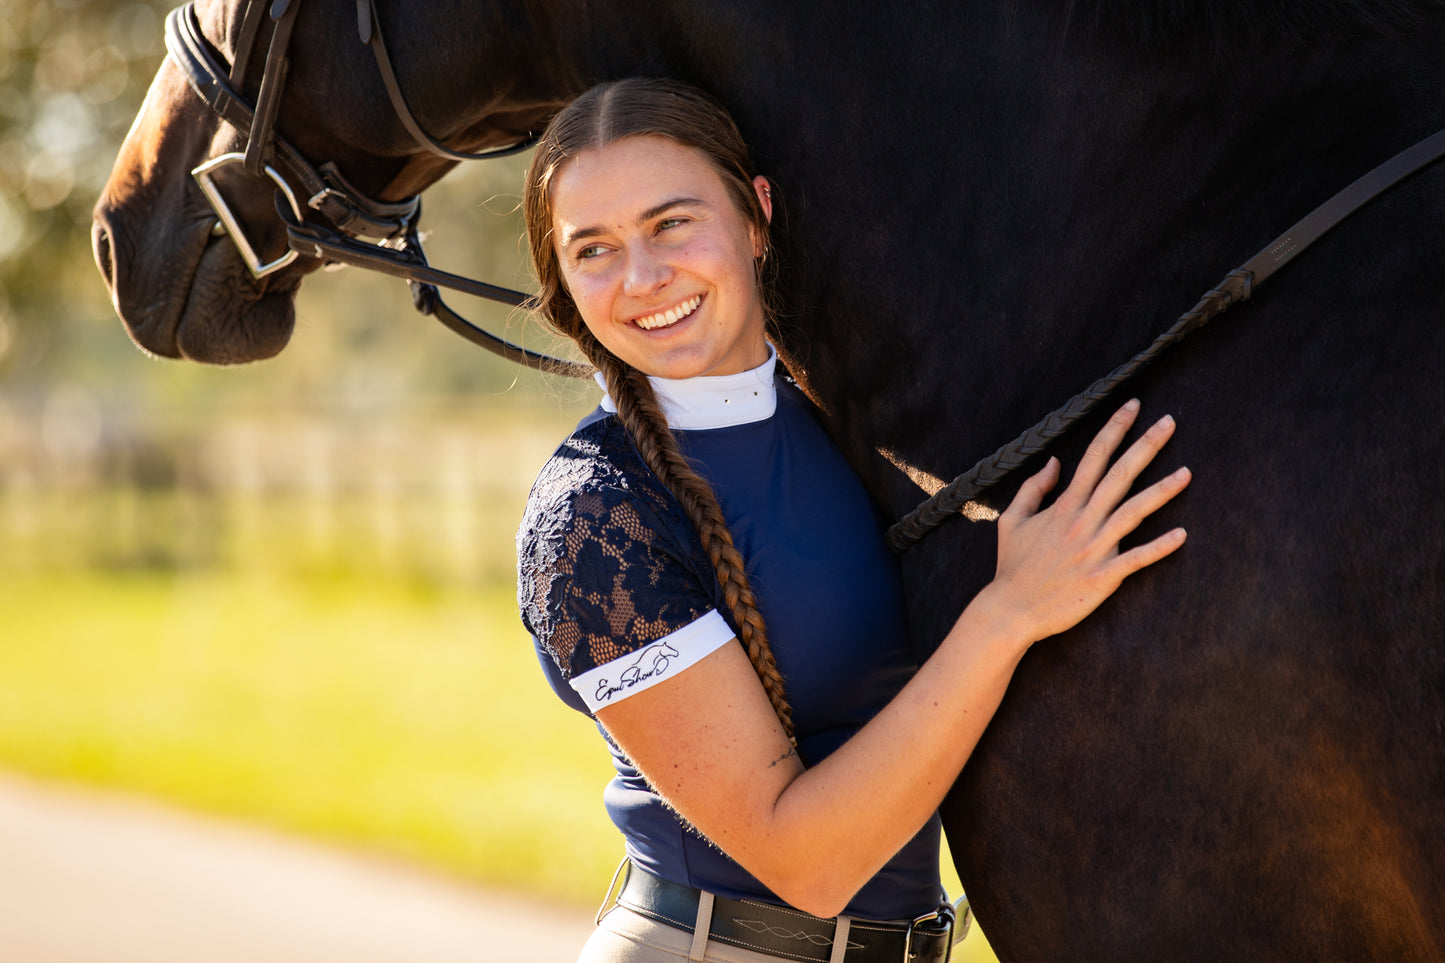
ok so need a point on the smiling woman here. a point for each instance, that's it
(705, 576)
(659, 260)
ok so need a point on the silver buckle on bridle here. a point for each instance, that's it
(203, 176)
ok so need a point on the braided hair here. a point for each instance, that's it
(687, 116)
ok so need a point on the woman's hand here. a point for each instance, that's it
(1057, 565)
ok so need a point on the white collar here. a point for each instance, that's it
(713, 401)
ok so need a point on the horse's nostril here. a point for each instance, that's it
(104, 253)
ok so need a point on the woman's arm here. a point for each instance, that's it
(707, 740)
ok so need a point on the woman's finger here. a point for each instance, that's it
(1031, 493)
(1127, 563)
(1096, 458)
(1132, 513)
(1120, 477)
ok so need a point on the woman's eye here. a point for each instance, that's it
(670, 222)
(589, 252)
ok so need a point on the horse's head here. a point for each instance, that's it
(176, 278)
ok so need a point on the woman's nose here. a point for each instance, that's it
(646, 272)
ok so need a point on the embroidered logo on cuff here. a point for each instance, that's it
(646, 664)
(656, 662)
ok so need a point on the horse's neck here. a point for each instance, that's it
(1092, 196)
(1222, 24)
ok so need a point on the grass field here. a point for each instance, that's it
(407, 721)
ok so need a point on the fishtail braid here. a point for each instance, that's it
(642, 416)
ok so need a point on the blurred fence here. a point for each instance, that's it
(414, 493)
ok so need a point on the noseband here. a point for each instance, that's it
(348, 216)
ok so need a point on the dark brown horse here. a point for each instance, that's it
(986, 206)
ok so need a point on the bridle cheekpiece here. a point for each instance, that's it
(347, 216)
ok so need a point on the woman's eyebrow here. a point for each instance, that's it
(662, 208)
(585, 233)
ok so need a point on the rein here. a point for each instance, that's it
(349, 214)
(1238, 285)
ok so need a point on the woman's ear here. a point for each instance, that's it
(765, 196)
(764, 191)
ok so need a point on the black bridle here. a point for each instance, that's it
(347, 216)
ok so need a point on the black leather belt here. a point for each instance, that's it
(788, 933)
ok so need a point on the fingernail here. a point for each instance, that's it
(1132, 404)
(1166, 422)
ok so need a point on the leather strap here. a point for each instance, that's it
(1238, 285)
(408, 262)
(787, 933)
(369, 28)
(1323, 218)
(250, 27)
(273, 79)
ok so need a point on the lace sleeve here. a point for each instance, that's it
(607, 561)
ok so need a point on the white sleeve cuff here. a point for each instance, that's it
(614, 681)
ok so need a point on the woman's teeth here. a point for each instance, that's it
(663, 318)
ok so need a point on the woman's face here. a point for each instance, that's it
(658, 259)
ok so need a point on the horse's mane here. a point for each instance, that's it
(1221, 24)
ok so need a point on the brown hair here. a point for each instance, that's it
(687, 116)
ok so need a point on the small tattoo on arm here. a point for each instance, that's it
(792, 751)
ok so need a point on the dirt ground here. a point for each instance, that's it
(97, 878)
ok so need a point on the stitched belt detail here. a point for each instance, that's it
(783, 932)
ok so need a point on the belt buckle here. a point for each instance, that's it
(609, 899)
(945, 913)
(962, 918)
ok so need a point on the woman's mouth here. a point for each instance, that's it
(671, 316)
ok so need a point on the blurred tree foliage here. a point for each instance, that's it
(72, 75)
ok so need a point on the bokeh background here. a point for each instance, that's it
(280, 592)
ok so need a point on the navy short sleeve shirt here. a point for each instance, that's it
(614, 582)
